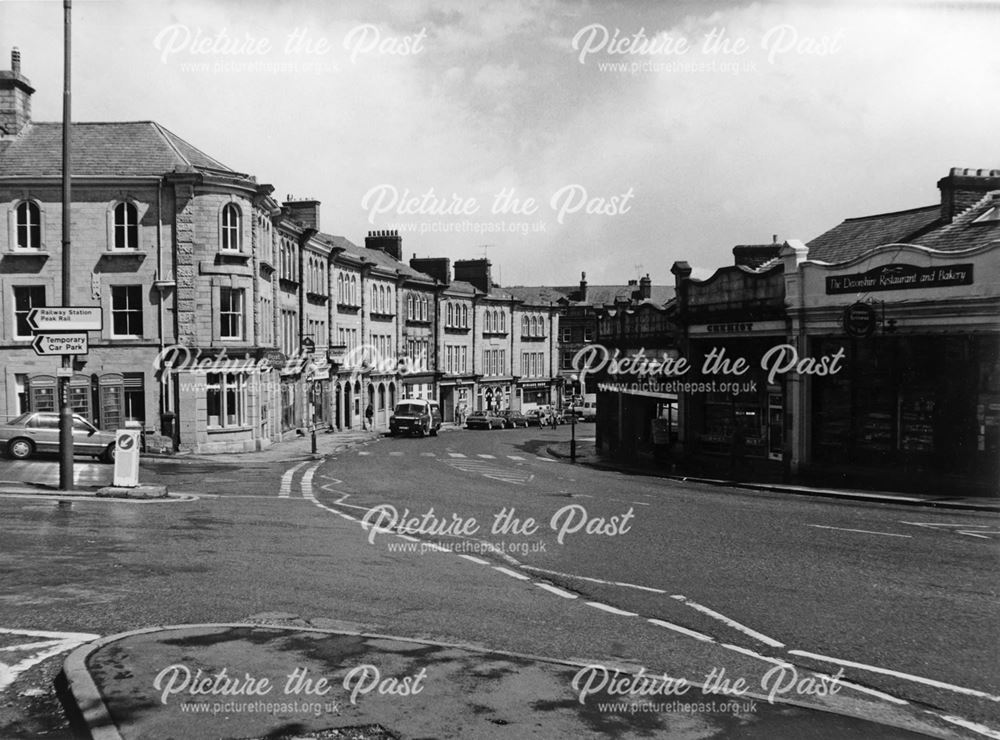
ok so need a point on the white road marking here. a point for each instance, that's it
(611, 609)
(754, 654)
(427, 454)
(897, 674)
(286, 480)
(973, 726)
(556, 591)
(730, 622)
(363, 452)
(474, 559)
(307, 481)
(596, 580)
(981, 530)
(515, 457)
(511, 573)
(544, 459)
(682, 630)
(395, 454)
(487, 457)
(455, 454)
(56, 643)
(865, 690)
(860, 531)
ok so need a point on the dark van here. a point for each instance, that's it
(415, 416)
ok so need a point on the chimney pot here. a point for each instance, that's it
(15, 60)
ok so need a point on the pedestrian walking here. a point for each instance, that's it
(369, 416)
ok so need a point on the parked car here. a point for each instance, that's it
(38, 431)
(514, 419)
(484, 420)
(588, 412)
(415, 416)
(538, 417)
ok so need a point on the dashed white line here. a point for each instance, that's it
(682, 630)
(395, 454)
(596, 580)
(427, 454)
(730, 622)
(611, 609)
(544, 459)
(511, 573)
(515, 457)
(553, 590)
(286, 480)
(487, 457)
(474, 559)
(897, 674)
(860, 531)
(363, 452)
(455, 454)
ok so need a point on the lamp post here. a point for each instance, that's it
(572, 426)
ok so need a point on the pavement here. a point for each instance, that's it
(251, 681)
(586, 455)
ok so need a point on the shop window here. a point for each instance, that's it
(226, 401)
(126, 226)
(134, 397)
(126, 310)
(26, 297)
(28, 217)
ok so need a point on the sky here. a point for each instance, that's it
(552, 137)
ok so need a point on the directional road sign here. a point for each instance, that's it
(60, 344)
(66, 318)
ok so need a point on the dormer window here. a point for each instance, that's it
(126, 226)
(29, 225)
(231, 228)
(992, 216)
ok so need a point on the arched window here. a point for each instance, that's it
(524, 326)
(126, 226)
(488, 324)
(409, 306)
(29, 225)
(425, 309)
(534, 326)
(503, 320)
(354, 290)
(231, 227)
(340, 288)
(465, 317)
(450, 320)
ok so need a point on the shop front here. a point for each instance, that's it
(494, 396)
(533, 394)
(917, 403)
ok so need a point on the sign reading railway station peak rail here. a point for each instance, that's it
(65, 343)
(66, 318)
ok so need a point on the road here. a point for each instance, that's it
(676, 577)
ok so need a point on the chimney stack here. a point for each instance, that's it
(645, 288)
(438, 268)
(303, 210)
(478, 272)
(389, 242)
(583, 287)
(963, 188)
(15, 98)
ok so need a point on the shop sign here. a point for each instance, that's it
(738, 328)
(900, 277)
(529, 386)
(860, 320)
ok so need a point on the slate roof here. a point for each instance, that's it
(597, 295)
(132, 148)
(377, 256)
(856, 236)
(963, 232)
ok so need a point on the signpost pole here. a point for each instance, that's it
(65, 410)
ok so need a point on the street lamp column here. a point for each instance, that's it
(572, 426)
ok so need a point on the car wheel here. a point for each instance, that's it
(19, 449)
(108, 455)
(434, 432)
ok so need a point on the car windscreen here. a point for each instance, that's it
(409, 409)
(20, 419)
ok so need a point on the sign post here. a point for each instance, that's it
(65, 410)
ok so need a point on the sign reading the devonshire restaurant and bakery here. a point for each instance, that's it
(900, 277)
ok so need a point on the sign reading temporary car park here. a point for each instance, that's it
(66, 318)
(66, 343)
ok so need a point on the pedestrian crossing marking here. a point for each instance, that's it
(515, 457)
(455, 454)
(286, 481)
(544, 459)
(363, 452)
(480, 467)
(487, 457)
(427, 454)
